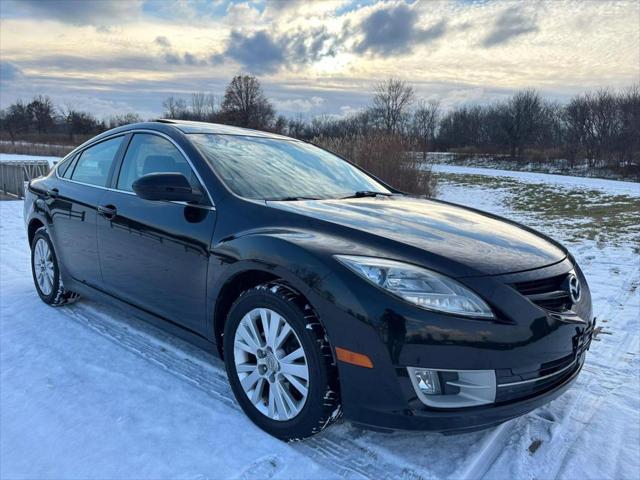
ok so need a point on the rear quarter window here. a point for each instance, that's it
(95, 162)
(65, 168)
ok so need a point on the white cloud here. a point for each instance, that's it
(562, 47)
(298, 104)
(348, 110)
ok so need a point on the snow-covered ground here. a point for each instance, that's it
(560, 166)
(89, 391)
(561, 181)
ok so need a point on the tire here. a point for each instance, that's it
(46, 272)
(296, 415)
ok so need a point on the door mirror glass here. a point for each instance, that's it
(166, 186)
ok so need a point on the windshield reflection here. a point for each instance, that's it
(275, 169)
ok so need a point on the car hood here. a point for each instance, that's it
(486, 244)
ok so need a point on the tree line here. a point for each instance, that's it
(601, 127)
(40, 119)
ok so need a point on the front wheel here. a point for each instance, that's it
(280, 364)
(46, 272)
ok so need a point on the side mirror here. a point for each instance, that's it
(166, 186)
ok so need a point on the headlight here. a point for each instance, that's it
(422, 287)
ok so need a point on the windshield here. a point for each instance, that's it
(274, 169)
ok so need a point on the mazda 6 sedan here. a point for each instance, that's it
(325, 290)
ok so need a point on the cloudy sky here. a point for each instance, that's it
(313, 57)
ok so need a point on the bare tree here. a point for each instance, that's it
(79, 123)
(391, 103)
(198, 102)
(245, 104)
(210, 106)
(126, 119)
(41, 111)
(280, 125)
(463, 127)
(605, 123)
(203, 106)
(296, 127)
(425, 123)
(174, 107)
(629, 138)
(17, 119)
(522, 119)
(577, 119)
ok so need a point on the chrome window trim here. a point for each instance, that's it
(153, 132)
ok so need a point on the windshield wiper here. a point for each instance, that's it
(291, 199)
(366, 193)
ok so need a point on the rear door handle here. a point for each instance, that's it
(107, 211)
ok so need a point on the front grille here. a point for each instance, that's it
(549, 293)
(520, 385)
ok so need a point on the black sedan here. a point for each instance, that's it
(325, 290)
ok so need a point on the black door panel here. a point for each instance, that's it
(73, 202)
(73, 211)
(156, 254)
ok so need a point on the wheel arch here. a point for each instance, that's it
(284, 258)
(34, 224)
(244, 279)
(229, 292)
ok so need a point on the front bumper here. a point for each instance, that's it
(418, 417)
(414, 415)
(524, 343)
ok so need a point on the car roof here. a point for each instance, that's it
(187, 126)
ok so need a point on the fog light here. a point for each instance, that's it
(460, 388)
(426, 380)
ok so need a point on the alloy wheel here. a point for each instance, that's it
(271, 364)
(43, 266)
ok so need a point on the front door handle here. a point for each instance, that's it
(107, 211)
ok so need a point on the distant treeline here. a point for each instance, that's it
(601, 128)
(40, 121)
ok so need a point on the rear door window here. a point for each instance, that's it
(95, 162)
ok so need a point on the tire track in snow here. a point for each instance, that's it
(332, 448)
(595, 385)
(264, 468)
(479, 465)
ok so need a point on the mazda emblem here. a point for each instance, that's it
(574, 288)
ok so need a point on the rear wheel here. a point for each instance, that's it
(280, 364)
(46, 272)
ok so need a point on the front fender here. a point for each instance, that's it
(292, 255)
(299, 258)
(285, 253)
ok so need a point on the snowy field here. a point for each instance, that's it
(580, 167)
(89, 391)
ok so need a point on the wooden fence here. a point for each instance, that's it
(14, 174)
